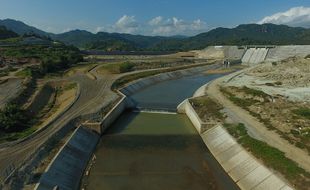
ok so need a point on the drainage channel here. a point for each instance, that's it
(154, 148)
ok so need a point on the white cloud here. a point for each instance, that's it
(156, 26)
(296, 16)
(176, 26)
(156, 21)
(126, 24)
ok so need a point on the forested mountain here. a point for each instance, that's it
(5, 34)
(246, 34)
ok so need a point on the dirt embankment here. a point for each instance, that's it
(289, 78)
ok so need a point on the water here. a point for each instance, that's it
(169, 94)
(157, 151)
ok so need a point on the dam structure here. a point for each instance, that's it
(155, 149)
(254, 55)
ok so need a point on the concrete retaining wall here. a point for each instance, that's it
(186, 108)
(241, 166)
(66, 170)
(283, 52)
(115, 112)
(137, 85)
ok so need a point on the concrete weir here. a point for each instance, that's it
(240, 165)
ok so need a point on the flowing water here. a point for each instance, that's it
(153, 151)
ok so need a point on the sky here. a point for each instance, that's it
(153, 17)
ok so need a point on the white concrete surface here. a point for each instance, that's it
(255, 56)
(66, 169)
(283, 52)
(139, 84)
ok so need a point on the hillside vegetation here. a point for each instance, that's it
(5, 34)
(247, 34)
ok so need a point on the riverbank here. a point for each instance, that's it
(241, 166)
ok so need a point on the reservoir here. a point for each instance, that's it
(157, 151)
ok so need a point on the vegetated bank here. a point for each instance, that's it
(210, 111)
(44, 59)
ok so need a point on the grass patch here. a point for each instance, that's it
(206, 108)
(271, 156)
(304, 112)
(254, 92)
(27, 72)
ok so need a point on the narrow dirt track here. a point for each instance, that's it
(242, 116)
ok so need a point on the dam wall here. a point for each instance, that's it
(221, 52)
(67, 167)
(283, 52)
(241, 166)
(255, 56)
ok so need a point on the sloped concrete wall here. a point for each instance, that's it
(66, 170)
(240, 165)
(233, 52)
(283, 52)
(255, 55)
(115, 112)
(186, 108)
(142, 83)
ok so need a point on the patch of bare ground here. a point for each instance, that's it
(207, 109)
(225, 70)
(289, 119)
(294, 72)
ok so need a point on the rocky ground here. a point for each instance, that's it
(278, 95)
(289, 78)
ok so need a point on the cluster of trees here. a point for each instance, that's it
(126, 67)
(5, 34)
(53, 58)
(13, 118)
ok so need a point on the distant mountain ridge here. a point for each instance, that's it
(246, 34)
(21, 28)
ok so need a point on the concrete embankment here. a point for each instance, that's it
(240, 165)
(142, 83)
(67, 168)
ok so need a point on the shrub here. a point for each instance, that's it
(12, 118)
(126, 67)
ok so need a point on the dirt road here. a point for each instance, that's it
(94, 95)
(255, 127)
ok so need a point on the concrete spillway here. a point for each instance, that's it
(255, 56)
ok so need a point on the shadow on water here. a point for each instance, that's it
(154, 152)
(157, 151)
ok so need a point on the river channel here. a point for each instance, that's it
(157, 151)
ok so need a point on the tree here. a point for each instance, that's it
(12, 118)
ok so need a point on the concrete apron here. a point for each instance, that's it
(239, 164)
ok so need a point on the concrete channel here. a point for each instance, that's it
(142, 150)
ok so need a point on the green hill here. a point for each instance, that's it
(248, 34)
(5, 34)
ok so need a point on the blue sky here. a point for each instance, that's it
(152, 17)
